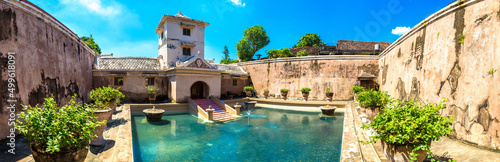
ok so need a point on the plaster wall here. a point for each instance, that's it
(181, 84)
(49, 60)
(227, 85)
(338, 73)
(170, 47)
(450, 58)
(134, 84)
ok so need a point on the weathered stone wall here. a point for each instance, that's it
(48, 61)
(227, 85)
(450, 58)
(339, 73)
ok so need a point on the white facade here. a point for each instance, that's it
(172, 40)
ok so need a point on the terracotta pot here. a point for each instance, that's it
(329, 96)
(152, 97)
(401, 152)
(372, 112)
(102, 116)
(305, 95)
(266, 94)
(284, 95)
(249, 93)
(71, 154)
(112, 104)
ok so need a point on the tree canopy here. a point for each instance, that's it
(90, 42)
(278, 53)
(225, 59)
(309, 40)
(254, 38)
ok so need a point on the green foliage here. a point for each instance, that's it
(328, 90)
(225, 59)
(309, 40)
(152, 89)
(461, 38)
(266, 90)
(247, 88)
(373, 99)
(302, 53)
(284, 90)
(409, 123)
(106, 94)
(277, 53)
(52, 128)
(357, 89)
(254, 38)
(90, 42)
(492, 71)
(305, 90)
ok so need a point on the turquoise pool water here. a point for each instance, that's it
(268, 135)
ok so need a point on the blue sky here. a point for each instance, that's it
(126, 27)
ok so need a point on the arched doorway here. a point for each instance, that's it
(199, 90)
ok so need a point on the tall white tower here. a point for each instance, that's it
(179, 38)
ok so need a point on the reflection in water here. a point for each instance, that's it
(275, 135)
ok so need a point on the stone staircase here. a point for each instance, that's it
(220, 114)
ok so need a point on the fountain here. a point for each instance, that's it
(249, 106)
(153, 114)
(328, 110)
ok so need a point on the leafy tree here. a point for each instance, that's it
(302, 53)
(90, 42)
(309, 40)
(277, 53)
(254, 38)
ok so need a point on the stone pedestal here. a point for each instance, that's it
(210, 113)
(153, 114)
(237, 108)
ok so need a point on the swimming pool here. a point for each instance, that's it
(268, 135)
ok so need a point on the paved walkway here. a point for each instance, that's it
(118, 146)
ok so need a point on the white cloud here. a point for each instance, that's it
(112, 8)
(147, 48)
(237, 3)
(400, 30)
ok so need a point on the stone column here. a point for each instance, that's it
(237, 107)
(210, 112)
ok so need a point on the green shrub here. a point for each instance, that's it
(52, 128)
(284, 90)
(357, 89)
(106, 94)
(328, 90)
(409, 123)
(305, 90)
(152, 89)
(266, 90)
(302, 53)
(373, 99)
(279, 53)
(248, 88)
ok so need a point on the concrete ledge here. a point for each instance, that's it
(340, 104)
(309, 58)
(170, 108)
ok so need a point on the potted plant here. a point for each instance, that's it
(373, 101)
(356, 90)
(266, 93)
(329, 95)
(107, 95)
(305, 92)
(58, 133)
(103, 113)
(152, 93)
(406, 129)
(248, 90)
(284, 93)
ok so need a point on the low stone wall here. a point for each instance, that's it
(449, 55)
(49, 60)
(339, 73)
